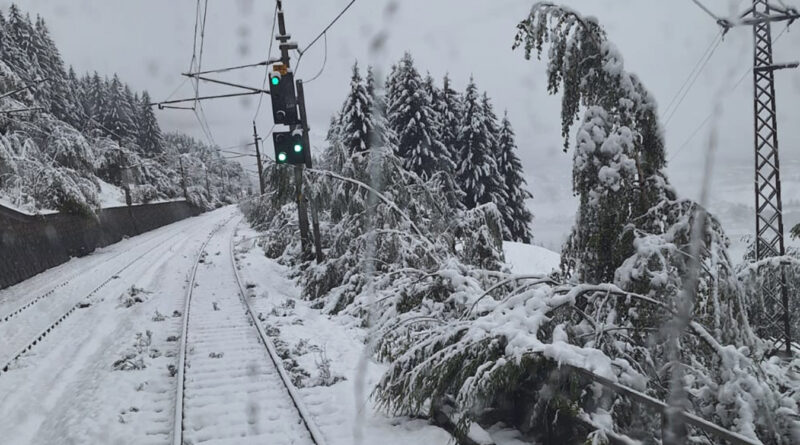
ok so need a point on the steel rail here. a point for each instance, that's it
(313, 430)
(177, 428)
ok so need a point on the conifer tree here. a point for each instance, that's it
(149, 136)
(355, 119)
(379, 130)
(496, 190)
(516, 216)
(20, 35)
(60, 92)
(411, 118)
(448, 106)
(117, 118)
(477, 171)
(3, 35)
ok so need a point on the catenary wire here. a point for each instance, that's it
(692, 73)
(266, 68)
(324, 62)
(324, 31)
(688, 88)
(708, 118)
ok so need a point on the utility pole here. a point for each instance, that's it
(285, 46)
(183, 178)
(301, 101)
(258, 160)
(769, 206)
(208, 183)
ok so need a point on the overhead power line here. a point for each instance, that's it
(707, 119)
(325, 30)
(269, 56)
(692, 77)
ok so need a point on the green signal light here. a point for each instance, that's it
(298, 148)
(275, 80)
(281, 157)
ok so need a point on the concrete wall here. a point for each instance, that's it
(32, 244)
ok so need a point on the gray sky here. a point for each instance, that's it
(149, 43)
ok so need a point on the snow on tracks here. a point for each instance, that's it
(23, 334)
(231, 387)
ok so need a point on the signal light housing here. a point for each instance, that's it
(284, 98)
(289, 147)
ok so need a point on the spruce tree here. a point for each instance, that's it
(477, 171)
(497, 189)
(619, 156)
(3, 35)
(379, 131)
(96, 102)
(448, 106)
(149, 136)
(59, 93)
(411, 118)
(117, 117)
(516, 216)
(355, 120)
(18, 51)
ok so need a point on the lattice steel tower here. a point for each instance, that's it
(775, 321)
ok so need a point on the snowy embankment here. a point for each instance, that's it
(323, 353)
(529, 259)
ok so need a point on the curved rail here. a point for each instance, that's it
(177, 430)
(302, 411)
(312, 428)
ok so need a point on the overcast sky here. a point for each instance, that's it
(149, 43)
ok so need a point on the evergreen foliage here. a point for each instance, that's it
(91, 130)
(412, 119)
(619, 158)
(448, 105)
(516, 216)
(477, 172)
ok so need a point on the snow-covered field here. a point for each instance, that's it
(106, 373)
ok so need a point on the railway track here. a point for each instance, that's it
(56, 320)
(231, 386)
(21, 308)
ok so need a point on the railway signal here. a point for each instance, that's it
(289, 147)
(284, 96)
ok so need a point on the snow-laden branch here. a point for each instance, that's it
(380, 196)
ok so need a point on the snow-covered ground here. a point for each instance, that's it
(106, 372)
(530, 259)
(328, 349)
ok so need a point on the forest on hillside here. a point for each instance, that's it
(66, 140)
(416, 191)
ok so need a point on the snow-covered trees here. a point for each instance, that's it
(516, 215)
(619, 158)
(91, 129)
(448, 105)
(651, 301)
(412, 119)
(148, 133)
(478, 175)
(437, 136)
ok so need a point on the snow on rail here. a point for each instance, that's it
(51, 327)
(225, 375)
